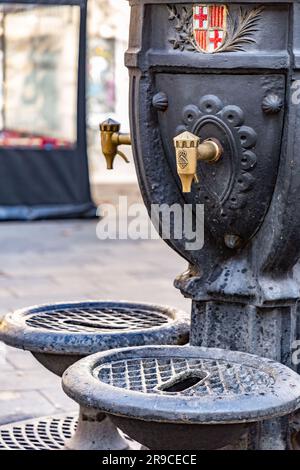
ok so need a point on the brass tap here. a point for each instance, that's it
(111, 138)
(188, 151)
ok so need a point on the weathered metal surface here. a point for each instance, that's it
(238, 98)
(59, 335)
(47, 433)
(191, 386)
(82, 328)
(95, 431)
(244, 283)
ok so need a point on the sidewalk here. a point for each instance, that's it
(58, 261)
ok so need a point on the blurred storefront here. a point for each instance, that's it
(43, 149)
(39, 76)
(61, 73)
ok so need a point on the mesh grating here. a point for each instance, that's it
(39, 434)
(96, 319)
(216, 378)
(48, 433)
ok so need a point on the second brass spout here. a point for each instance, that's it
(111, 138)
(188, 151)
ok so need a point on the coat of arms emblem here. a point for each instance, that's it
(209, 26)
(214, 28)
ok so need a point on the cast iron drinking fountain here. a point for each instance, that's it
(214, 122)
(215, 113)
(59, 335)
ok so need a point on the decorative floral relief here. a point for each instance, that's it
(240, 30)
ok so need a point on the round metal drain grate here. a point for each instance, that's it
(96, 318)
(185, 376)
(83, 328)
(48, 433)
(181, 385)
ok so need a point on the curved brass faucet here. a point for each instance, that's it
(188, 151)
(111, 138)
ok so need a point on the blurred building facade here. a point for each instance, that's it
(107, 91)
(43, 150)
(39, 52)
(39, 75)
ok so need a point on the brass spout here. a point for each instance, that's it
(111, 138)
(188, 151)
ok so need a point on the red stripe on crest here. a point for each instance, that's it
(204, 40)
(216, 17)
(201, 39)
(222, 17)
(213, 17)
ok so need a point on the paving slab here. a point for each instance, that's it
(19, 405)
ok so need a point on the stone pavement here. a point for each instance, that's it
(58, 261)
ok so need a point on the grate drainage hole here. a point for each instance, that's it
(97, 326)
(183, 382)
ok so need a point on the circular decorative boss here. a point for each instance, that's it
(272, 104)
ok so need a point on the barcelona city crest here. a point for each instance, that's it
(210, 26)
